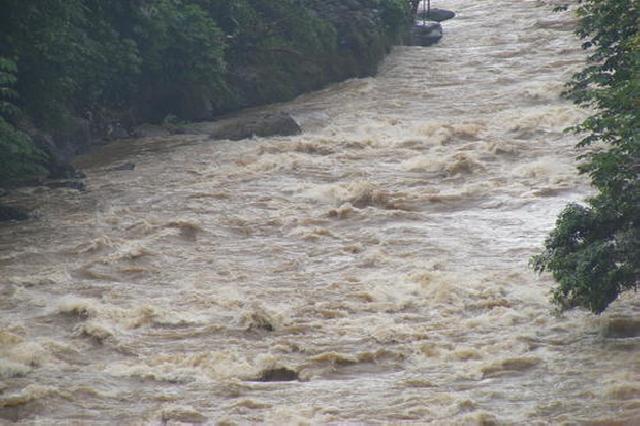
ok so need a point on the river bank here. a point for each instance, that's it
(105, 70)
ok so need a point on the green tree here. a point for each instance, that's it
(182, 51)
(18, 156)
(278, 49)
(79, 66)
(594, 251)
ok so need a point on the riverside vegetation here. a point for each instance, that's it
(594, 250)
(83, 67)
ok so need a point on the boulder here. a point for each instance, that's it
(437, 15)
(425, 34)
(246, 126)
(281, 374)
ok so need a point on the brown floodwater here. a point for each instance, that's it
(371, 270)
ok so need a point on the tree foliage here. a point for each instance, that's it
(144, 60)
(18, 156)
(594, 251)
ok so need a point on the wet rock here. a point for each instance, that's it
(281, 374)
(8, 213)
(246, 126)
(280, 124)
(437, 15)
(425, 34)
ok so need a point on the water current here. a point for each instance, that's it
(371, 270)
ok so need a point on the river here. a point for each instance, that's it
(371, 270)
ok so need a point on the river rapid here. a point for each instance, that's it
(371, 270)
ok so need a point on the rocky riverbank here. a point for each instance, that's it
(266, 54)
(176, 63)
(364, 34)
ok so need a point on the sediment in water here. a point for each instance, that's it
(381, 256)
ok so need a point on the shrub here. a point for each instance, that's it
(594, 251)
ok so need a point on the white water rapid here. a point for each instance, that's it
(374, 266)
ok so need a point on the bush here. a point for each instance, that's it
(142, 60)
(594, 251)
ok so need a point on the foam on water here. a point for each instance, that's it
(372, 269)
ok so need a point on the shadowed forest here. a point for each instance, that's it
(78, 68)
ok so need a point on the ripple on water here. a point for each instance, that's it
(372, 269)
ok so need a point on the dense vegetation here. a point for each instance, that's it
(130, 61)
(594, 250)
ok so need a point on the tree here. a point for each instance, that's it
(18, 156)
(594, 251)
(89, 64)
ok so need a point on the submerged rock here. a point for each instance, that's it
(425, 34)
(437, 15)
(281, 374)
(246, 126)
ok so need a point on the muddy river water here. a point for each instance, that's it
(371, 270)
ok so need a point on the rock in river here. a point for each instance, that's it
(425, 34)
(246, 126)
(437, 15)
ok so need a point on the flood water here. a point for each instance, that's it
(371, 270)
